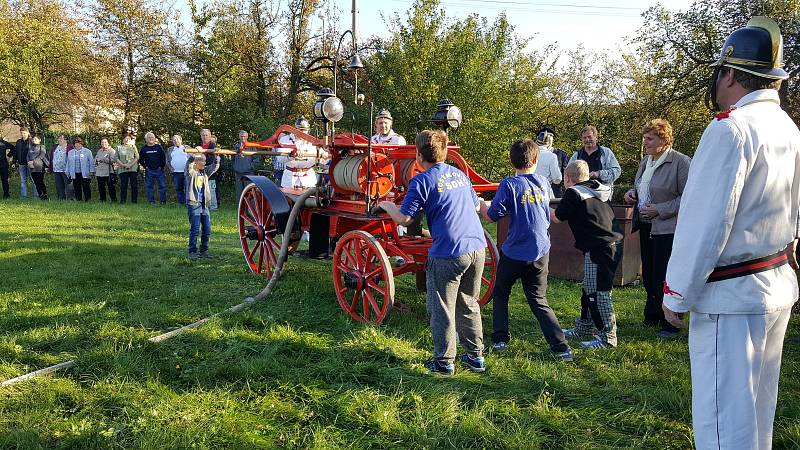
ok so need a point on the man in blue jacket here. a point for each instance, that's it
(603, 164)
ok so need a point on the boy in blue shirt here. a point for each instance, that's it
(456, 258)
(525, 199)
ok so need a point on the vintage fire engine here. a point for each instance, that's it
(369, 250)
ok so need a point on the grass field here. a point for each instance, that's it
(93, 282)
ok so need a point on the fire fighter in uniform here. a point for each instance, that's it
(299, 162)
(386, 135)
(742, 199)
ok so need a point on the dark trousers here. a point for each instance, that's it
(38, 181)
(534, 285)
(104, 183)
(152, 176)
(126, 178)
(82, 186)
(61, 184)
(241, 182)
(656, 250)
(4, 178)
(179, 183)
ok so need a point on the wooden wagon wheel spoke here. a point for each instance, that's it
(250, 220)
(260, 258)
(372, 302)
(251, 209)
(375, 286)
(374, 273)
(255, 247)
(355, 301)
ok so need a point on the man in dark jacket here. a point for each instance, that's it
(6, 151)
(243, 165)
(153, 159)
(20, 155)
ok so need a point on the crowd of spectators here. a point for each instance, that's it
(117, 171)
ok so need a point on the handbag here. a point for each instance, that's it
(112, 174)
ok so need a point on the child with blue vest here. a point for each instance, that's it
(456, 257)
(525, 199)
(198, 200)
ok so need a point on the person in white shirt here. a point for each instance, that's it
(176, 161)
(383, 127)
(299, 161)
(737, 228)
(548, 161)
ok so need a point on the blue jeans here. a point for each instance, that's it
(24, 176)
(156, 175)
(199, 217)
(179, 182)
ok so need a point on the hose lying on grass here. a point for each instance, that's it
(249, 301)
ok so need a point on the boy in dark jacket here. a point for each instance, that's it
(585, 208)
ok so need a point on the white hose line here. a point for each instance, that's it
(249, 301)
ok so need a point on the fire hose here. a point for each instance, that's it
(249, 301)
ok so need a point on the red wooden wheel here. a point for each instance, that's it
(362, 276)
(489, 270)
(258, 232)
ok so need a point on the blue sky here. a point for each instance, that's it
(598, 25)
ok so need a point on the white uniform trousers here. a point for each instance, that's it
(735, 362)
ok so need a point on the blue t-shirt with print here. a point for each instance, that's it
(525, 200)
(449, 201)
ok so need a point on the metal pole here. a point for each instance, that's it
(355, 24)
(369, 159)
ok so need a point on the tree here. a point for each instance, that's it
(142, 40)
(45, 65)
(478, 66)
(678, 47)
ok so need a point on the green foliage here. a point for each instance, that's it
(45, 70)
(478, 66)
(294, 371)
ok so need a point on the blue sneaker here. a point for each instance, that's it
(475, 364)
(437, 368)
(565, 356)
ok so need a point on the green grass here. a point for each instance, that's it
(93, 282)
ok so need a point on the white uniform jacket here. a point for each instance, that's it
(298, 171)
(392, 138)
(740, 203)
(547, 166)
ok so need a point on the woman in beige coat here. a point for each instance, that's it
(656, 195)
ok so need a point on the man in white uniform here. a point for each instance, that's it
(548, 161)
(738, 222)
(299, 161)
(385, 134)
